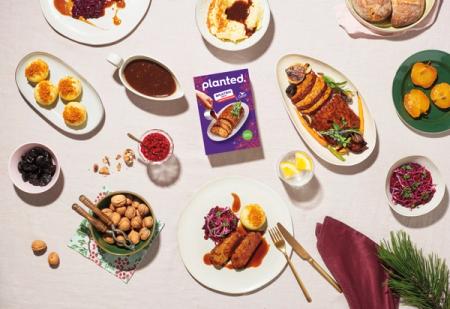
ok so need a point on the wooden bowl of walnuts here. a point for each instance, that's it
(130, 213)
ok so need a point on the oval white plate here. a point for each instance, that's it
(370, 132)
(201, 15)
(235, 130)
(58, 69)
(437, 180)
(386, 27)
(105, 32)
(192, 245)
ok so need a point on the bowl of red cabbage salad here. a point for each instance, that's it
(411, 185)
(219, 223)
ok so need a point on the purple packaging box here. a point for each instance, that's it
(229, 91)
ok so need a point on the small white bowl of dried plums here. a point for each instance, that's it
(34, 168)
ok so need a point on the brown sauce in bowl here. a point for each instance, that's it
(149, 78)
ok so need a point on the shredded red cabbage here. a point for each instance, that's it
(88, 8)
(411, 185)
(219, 222)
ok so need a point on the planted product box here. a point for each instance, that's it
(227, 111)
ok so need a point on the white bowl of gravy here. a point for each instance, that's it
(147, 77)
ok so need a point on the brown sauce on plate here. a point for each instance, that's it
(236, 203)
(239, 12)
(149, 78)
(62, 7)
(206, 259)
(259, 254)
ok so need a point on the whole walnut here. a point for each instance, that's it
(143, 210)
(120, 240)
(136, 223)
(134, 237)
(119, 200)
(144, 233)
(130, 212)
(107, 212)
(108, 239)
(121, 210)
(135, 204)
(124, 224)
(53, 259)
(115, 218)
(147, 222)
(39, 247)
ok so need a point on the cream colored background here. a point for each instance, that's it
(169, 33)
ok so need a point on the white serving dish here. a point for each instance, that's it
(59, 69)
(192, 246)
(370, 132)
(104, 31)
(437, 180)
(121, 64)
(201, 14)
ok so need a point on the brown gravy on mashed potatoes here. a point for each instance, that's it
(234, 20)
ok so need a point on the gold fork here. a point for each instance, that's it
(280, 244)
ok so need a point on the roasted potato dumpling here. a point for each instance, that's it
(440, 94)
(416, 103)
(423, 74)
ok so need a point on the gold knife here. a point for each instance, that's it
(302, 253)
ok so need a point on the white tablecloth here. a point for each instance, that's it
(169, 33)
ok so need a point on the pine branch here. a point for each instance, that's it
(421, 281)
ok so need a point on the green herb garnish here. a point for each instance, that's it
(236, 111)
(415, 185)
(406, 167)
(339, 134)
(406, 192)
(338, 86)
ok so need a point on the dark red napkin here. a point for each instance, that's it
(352, 259)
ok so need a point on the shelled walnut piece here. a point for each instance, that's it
(131, 216)
(128, 158)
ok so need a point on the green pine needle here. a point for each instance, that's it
(421, 281)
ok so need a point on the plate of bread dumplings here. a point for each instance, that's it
(58, 93)
(390, 16)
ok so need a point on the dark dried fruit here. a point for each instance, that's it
(36, 167)
(291, 90)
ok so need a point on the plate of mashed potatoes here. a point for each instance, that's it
(232, 24)
(58, 93)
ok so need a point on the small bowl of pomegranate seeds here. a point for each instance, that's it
(156, 147)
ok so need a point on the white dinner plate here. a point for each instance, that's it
(438, 181)
(241, 122)
(192, 245)
(201, 16)
(59, 69)
(104, 31)
(370, 132)
(386, 26)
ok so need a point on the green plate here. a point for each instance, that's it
(437, 120)
(114, 249)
